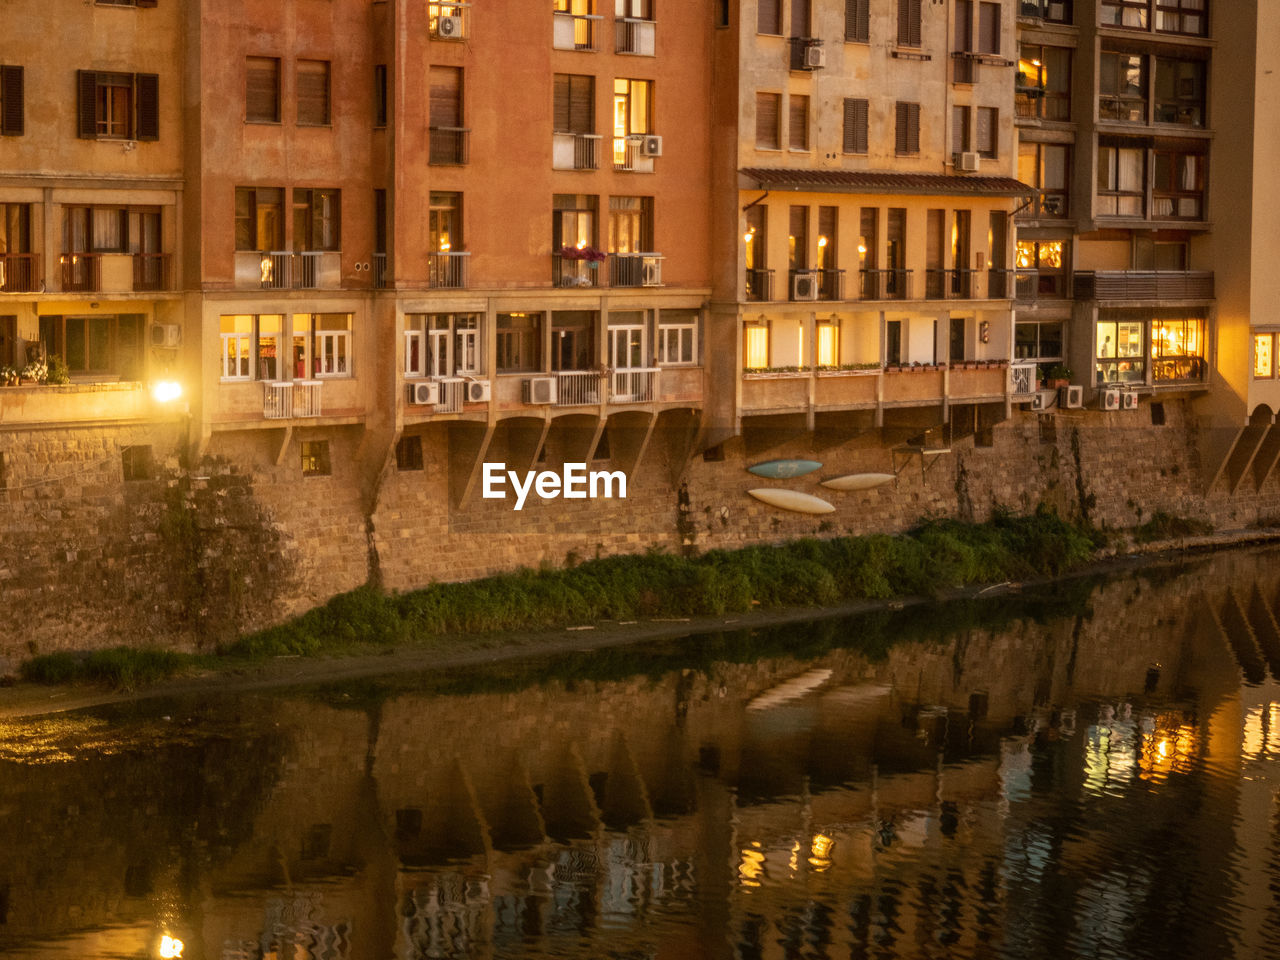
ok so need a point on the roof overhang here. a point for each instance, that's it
(854, 181)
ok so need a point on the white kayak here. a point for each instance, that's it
(791, 500)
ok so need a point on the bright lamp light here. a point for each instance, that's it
(166, 391)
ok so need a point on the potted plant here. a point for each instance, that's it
(8, 376)
(1059, 375)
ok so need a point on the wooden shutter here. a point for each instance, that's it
(582, 105)
(909, 23)
(857, 20)
(798, 122)
(767, 107)
(907, 129)
(855, 125)
(87, 104)
(800, 18)
(313, 92)
(147, 116)
(769, 16)
(989, 28)
(560, 103)
(262, 89)
(11, 96)
(446, 97)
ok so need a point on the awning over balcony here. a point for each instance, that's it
(851, 181)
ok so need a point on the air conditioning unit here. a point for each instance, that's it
(477, 391)
(1040, 400)
(166, 335)
(1110, 400)
(651, 273)
(1128, 400)
(1057, 11)
(804, 286)
(968, 162)
(1071, 397)
(814, 57)
(651, 146)
(424, 393)
(449, 27)
(539, 390)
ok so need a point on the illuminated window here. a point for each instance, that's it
(632, 114)
(448, 21)
(315, 458)
(1121, 172)
(1177, 349)
(1264, 356)
(1121, 351)
(333, 344)
(237, 347)
(519, 342)
(1044, 82)
(1122, 87)
(756, 347)
(828, 342)
(1181, 16)
(678, 337)
(441, 344)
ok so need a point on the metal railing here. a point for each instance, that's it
(633, 384)
(1000, 284)
(935, 283)
(453, 393)
(306, 270)
(150, 271)
(574, 273)
(1022, 379)
(576, 151)
(885, 284)
(1178, 369)
(635, 269)
(275, 270)
(954, 284)
(447, 271)
(449, 145)
(277, 400)
(81, 272)
(1143, 285)
(633, 35)
(960, 283)
(830, 284)
(380, 272)
(631, 154)
(306, 398)
(574, 31)
(759, 285)
(19, 272)
(577, 388)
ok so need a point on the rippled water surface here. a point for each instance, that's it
(1086, 772)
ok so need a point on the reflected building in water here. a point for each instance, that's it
(1084, 785)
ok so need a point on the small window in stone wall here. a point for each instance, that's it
(136, 462)
(315, 458)
(1157, 414)
(409, 453)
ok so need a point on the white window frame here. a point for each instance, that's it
(627, 335)
(244, 352)
(466, 345)
(332, 348)
(679, 335)
(414, 337)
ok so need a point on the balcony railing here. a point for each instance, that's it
(1055, 11)
(285, 399)
(81, 272)
(282, 270)
(449, 145)
(759, 285)
(381, 275)
(577, 388)
(306, 270)
(19, 272)
(960, 283)
(453, 394)
(574, 273)
(635, 269)
(633, 384)
(1143, 285)
(634, 36)
(631, 154)
(150, 271)
(885, 284)
(575, 151)
(1022, 379)
(1000, 284)
(276, 270)
(574, 31)
(830, 284)
(447, 271)
(1178, 369)
(1031, 285)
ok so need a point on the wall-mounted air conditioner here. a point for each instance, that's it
(1129, 400)
(424, 393)
(968, 162)
(651, 145)
(477, 391)
(815, 58)
(166, 335)
(804, 286)
(539, 390)
(1071, 397)
(449, 27)
(1110, 400)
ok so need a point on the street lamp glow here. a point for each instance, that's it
(166, 391)
(170, 947)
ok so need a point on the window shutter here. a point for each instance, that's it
(855, 126)
(769, 16)
(900, 129)
(11, 94)
(147, 90)
(909, 23)
(262, 90)
(798, 122)
(857, 20)
(989, 28)
(313, 91)
(767, 105)
(560, 103)
(446, 97)
(87, 104)
(913, 128)
(582, 96)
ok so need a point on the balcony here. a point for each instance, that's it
(1000, 284)
(949, 284)
(575, 151)
(629, 155)
(453, 394)
(381, 272)
(20, 273)
(284, 270)
(760, 285)
(1031, 285)
(150, 271)
(75, 403)
(885, 284)
(574, 31)
(635, 269)
(82, 272)
(766, 392)
(915, 385)
(846, 389)
(567, 272)
(577, 388)
(449, 146)
(1178, 370)
(1143, 285)
(633, 385)
(634, 36)
(830, 284)
(968, 382)
(289, 399)
(447, 271)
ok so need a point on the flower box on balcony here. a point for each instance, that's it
(774, 373)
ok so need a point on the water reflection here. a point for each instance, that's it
(1084, 774)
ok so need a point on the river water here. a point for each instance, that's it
(1077, 772)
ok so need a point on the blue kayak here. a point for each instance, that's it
(783, 469)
